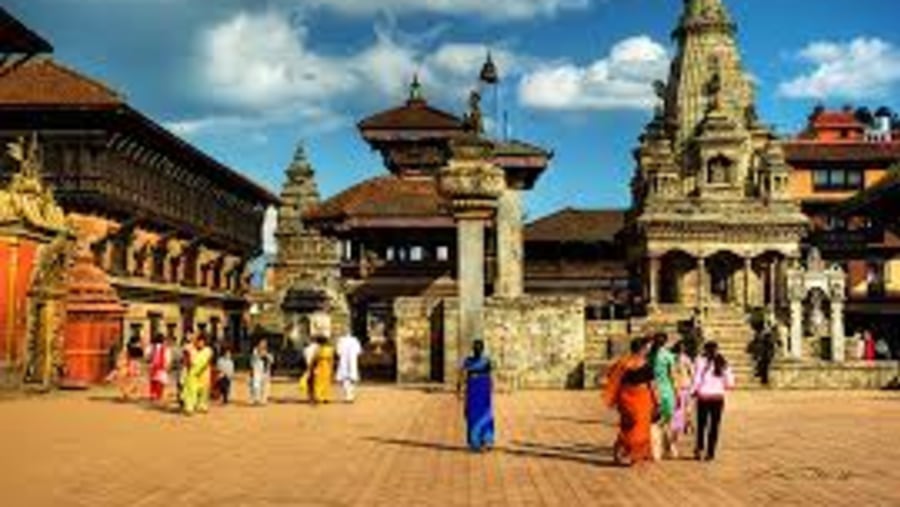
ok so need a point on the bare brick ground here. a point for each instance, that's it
(405, 447)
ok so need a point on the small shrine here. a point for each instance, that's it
(816, 293)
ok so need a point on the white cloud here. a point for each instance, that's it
(262, 61)
(861, 68)
(262, 70)
(620, 80)
(494, 10)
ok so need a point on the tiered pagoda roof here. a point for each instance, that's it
(41, 93)
(386, 201)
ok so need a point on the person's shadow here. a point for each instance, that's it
(586, 454)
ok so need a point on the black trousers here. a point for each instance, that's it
(224, 385)
(709, 416)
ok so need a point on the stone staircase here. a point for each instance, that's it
(728, 326)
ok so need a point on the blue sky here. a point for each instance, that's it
(246, 79)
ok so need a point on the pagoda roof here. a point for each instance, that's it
(571, 225)
(44, 82)
(42, 94)
(15, 37)
(386, 197)
(804, 151)
(415, 117)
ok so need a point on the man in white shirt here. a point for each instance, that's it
(348, 351)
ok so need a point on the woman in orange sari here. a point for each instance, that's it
(629, 389)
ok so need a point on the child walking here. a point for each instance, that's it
(225, 368)
(260, 373)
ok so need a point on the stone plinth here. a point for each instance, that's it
(829, 375)
(534, 342)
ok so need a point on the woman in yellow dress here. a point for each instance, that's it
(195, 393)
(322, 371)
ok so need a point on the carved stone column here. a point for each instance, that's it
(795, 344)
(474, 184)
(838, 340)
(509, 244)
(748, 271)
(701, 282)
(653, 280)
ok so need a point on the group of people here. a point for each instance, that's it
(200, 373)
(655, 388)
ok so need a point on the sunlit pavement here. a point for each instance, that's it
(405, 447)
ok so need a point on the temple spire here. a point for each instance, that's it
(415, 90)
(707, 53)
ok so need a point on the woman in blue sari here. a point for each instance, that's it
(476, 371)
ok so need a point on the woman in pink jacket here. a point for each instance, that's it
(712, 378)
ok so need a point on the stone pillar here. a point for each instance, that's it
(795, 344)
(510, 278)
(748, 270)
(838, 340)
(701, 282)
(654, 264)
(473, 184)
(470, 269)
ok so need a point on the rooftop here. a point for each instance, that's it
(384, 196)
(18, 38)
(572, 225)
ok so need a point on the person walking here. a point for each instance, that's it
(629, 389)
(712, 379)
(225, 369)
(684, 376)
(195, 393)
(260, 373)
(479, 409)
(663, 362)
(159, 357)
(322, 371)
(309, 356)
(348, 351)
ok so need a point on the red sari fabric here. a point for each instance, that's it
(634, 403)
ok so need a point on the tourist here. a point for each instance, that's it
(225, 368)
(180, 356)
(868, 346)
(629, 389)
(133, 376)
(479, 410)
(120, 375)
(712, 378)
(663, 362)
(195, 392)
(684, 375)
(260, 373)
(348, 351)
(309, 356)
(159, 358)
(322, 371)
(762, 348)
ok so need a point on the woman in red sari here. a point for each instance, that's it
(629, 389)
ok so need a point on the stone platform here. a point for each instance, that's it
(402, 447)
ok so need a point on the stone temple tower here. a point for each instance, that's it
(712, 221)
(306, 269)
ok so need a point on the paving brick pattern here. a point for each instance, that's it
(404, 447)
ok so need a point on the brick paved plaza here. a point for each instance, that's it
(404, 447)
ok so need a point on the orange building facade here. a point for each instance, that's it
(111, 227)
(841, 154)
